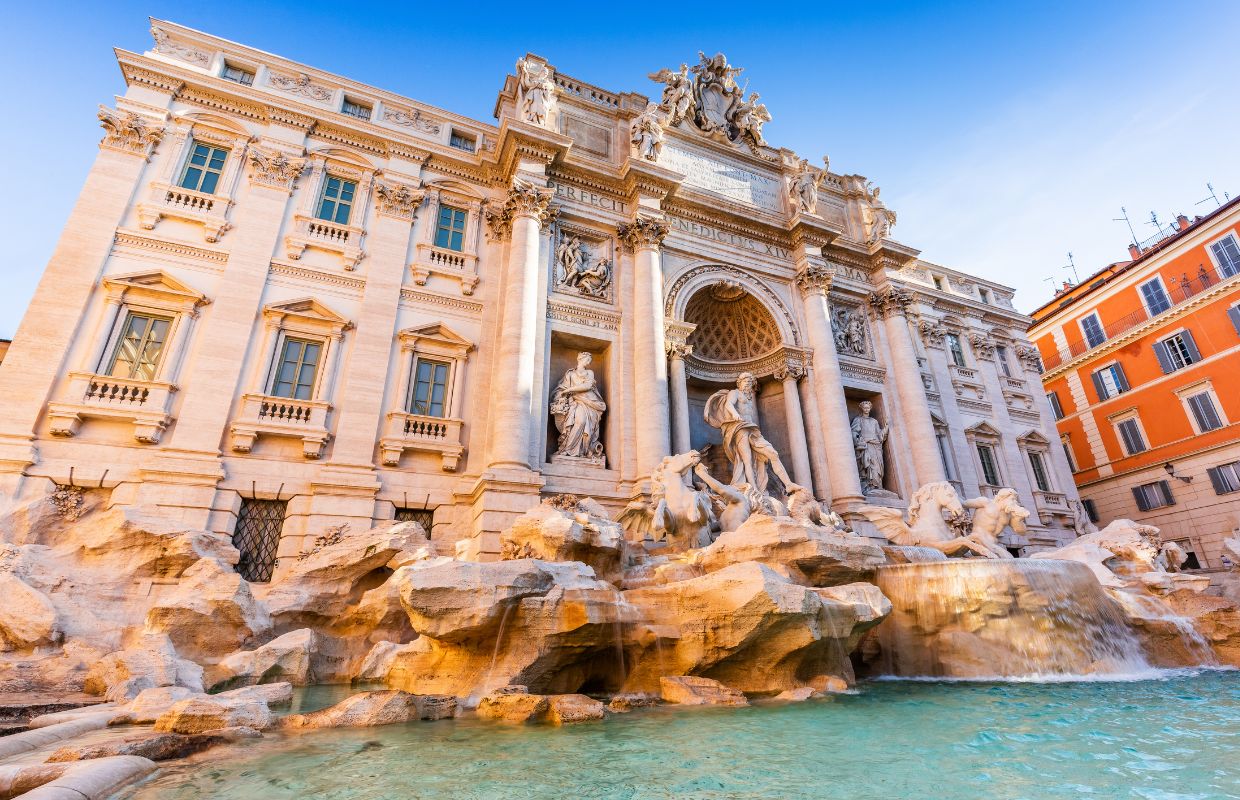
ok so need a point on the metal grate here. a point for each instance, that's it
(423, 516)
(257, 536)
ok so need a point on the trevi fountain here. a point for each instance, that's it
(737, 624)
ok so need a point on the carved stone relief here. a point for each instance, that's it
(712, 101)
(300, 84)
(582, 265)
(411, 119)
(849, 329)
(165, 45)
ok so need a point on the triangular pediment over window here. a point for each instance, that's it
(306, 312)
(983, 430)
(1034, 437)
(436, 336)
(153, 284)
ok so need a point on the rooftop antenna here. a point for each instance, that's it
(1154, 221)
(1072, 266)
(1124, 219)
(1212, 196)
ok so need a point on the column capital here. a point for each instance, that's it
(643, 233)
(789, 371)
(814, 279)
(1029, 357)
(983, 346)
(678, 350)
(129, 132)
(274, 169)
(932, 332)
(889, 301)
(524, 200)
(397, 200)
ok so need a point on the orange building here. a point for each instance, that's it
(1142, 368)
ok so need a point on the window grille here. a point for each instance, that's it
(423, 516)
(257, 536)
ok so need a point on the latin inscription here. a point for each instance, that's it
(733, 239)
(585, 196)
(726, 180)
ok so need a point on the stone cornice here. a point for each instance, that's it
(581, 315)
(519, 141)
(125, 240)
(455, 303)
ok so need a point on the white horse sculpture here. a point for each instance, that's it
(925, 526)
(682, 514)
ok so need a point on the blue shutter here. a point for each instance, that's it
(1121, 378)
(1234, 314)
(1099, 387)
(1166, 488)
(1193, 352)
(1215, 478)
(1138, 494)
(1164, 360)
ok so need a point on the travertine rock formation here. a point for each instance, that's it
(375, 708)
(552, 533)
(284, 659)
(200, 714)
(811, 555)
(688, 690)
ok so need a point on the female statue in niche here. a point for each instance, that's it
(578, 410)
(868, 438)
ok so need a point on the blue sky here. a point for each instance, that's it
(1003, 134)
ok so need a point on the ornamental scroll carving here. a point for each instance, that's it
(983, 346)
(300, 84)
(524, 200)
(1029, 357)
(932, 332)
(643, 233)
(893, 300)
(814, 279)
(708, 97)
(274, 168)
(165, 45)
(129, 132)
(411, 119)
(397, 199)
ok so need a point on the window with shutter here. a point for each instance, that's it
(1233, 313)
(1204, 412)
(1150, 496)
(1110, 381)
(1227, 255)
(1092, 328)
(1226, 478)
(1038, 466)
(1056, 408)
(1091, 510)
(1130, 434)
(1155, 297)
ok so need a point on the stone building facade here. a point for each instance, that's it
(1139, 360)
(288, 296)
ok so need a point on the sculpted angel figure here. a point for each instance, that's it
(647, 132)
(749, 118)
(578, 410)
(677, 93)
(805, 184)
(735, 413)
(536, 91)
(868, 438)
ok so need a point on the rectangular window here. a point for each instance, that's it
(450, 228)
(1110, 381)
(1227, 254)
(1067, 454)
(1233, 314)
(956, 349)
(203, 168)
(140, 347)
(336, 203)
(947, 462)
(1040, 478)
(299, 363)
(1001, 353)
(355, 110)
(1091, 326)
(1204, 412)
(257, 537)
(1056, 408)
(1130, 435)
(430, 386)
(1091, 510)
(1177, 352)
(984, 294)
(462, 141)
(423, 516)
(1155, 297)
(990, 467)
(238, 75)
(938, 283)
(1153, 495)
(1226, 478)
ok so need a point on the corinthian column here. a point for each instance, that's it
(891, 304)
(644, 236)
(677, 352)
(790, 375)
(524, 211)
(814, 281)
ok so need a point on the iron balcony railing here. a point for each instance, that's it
(1182, 290)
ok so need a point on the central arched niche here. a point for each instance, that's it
(734, 332)
(732, 324)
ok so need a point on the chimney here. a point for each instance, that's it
(1134, 251)
(1181, 221)
(1066, 286)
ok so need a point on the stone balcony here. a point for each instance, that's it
(263, 415)
(405, 431)
(431, 260)
(174, 202)
(1050, 501)
(144, 404)
(323, 235)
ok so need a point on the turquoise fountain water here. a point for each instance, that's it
(1175, 738)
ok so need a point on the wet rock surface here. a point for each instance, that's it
(376, 708)
(690, 690)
